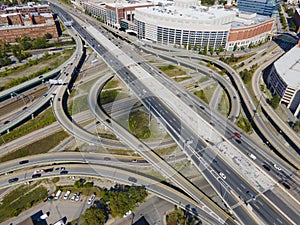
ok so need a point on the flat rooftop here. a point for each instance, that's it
(240, 22)
(288, 67)
(196, 13)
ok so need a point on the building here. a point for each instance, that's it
(249, 28)
(262, 7)
(185, 23)
(188, 24)
(33, 22)
(297, 19)
(117, 15)
(284, 79)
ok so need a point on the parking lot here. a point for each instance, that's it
(57, 209)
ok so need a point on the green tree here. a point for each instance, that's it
(211, 50)
(94, 216)
(120, 204)
(48, 36)
(235, 47)
(274, 102)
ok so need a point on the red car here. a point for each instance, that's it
(237, 134)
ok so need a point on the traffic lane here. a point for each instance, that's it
(283, 206)
(222, 188)
(267, 212)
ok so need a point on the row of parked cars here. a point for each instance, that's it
(75, 197)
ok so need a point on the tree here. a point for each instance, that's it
(94, 216)
(48, 36)
(211, 50)
(274, 102)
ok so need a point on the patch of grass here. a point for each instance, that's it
(55, 180)
(108, 136)
(200, 94)
(78, 104)
(20, 200)
(172, 71)
(139, 125)
(110, 96)
(42, 120)
(223, 106)
(203, 79)
(111, 84)
(41, 146)
(179, 79)
(165, 151)
(244, 124)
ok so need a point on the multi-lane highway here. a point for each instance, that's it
(114, 62)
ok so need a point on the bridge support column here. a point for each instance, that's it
(32, 116)
(68, 91)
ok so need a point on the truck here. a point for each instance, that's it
(56, 82)
(57, 194)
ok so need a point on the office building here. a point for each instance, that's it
(262, 7)
(284, 79)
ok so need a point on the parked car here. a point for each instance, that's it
(91, 199)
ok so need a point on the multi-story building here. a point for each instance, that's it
(284, 79)
(297, 19)
(32, 22)
(188, 24)
(262, 7)
(185, 23)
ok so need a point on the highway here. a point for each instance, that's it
(108, 170)
(118, 68)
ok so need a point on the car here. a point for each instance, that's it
(277, 167)
(132, 179)
(67, 195)
(266, 167)
(24, 162)
(91, 199)
(45, 95)
(73, 197)
(134, 160)
(6, 122)
(9, 172)
(78, 197)
(251, 156)
(41, 76)
(237, 134)
(222, 175)
(36, 175)
(62, 168)
(58, 99)
(286, 185)
(64, 172)
(251, 194)
(13, 180)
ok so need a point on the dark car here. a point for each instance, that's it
(132, 179)
(13, 180)
(36, 175)
(64, 172)
(267, 167)
(286, 185)
(24, 161)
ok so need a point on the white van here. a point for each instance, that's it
(67, 195)
(251, 156)
(57, 194)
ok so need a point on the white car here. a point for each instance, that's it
(222, 175)
(277, 167)
(73, 197)
(67, 195)
(252, 156)
(91, 199)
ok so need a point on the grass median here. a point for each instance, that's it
(38, 147)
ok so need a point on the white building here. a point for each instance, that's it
(284, 79)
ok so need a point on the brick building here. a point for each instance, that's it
(31, 21)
